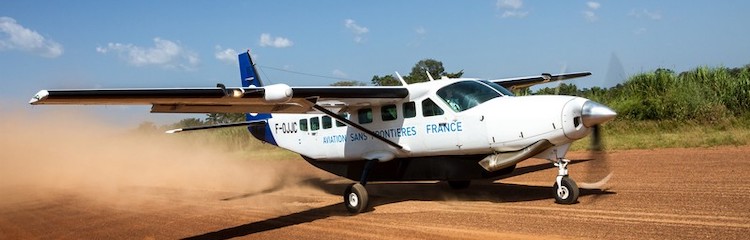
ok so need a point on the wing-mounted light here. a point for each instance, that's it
(41, 95)
(277, 93)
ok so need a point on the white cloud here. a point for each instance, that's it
(14, 36)
(593, 5)
(357, 30)
(656, 16)
(226, 55)
(590, 13)
(509, 4)
(420, 30)
(511, 8)
(339, 73)
(164, 53)
(278, 42)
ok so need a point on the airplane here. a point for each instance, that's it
(450, 129)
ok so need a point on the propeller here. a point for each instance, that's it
(598, 172)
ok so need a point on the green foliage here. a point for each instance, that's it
(348, 83)
(418, 74)
(562, 89)
(188, 122)
(219, 118)
(387, 80)
(703, 95)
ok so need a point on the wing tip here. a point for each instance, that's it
(39, 96)
(174, 130)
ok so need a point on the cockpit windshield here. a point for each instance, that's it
(499, 88)
(464, 95)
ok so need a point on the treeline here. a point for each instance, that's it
(702, 95)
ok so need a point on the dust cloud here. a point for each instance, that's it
(64, 151)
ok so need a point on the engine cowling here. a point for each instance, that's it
(277, 93)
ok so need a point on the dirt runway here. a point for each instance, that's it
(654, 194)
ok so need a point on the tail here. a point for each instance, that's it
(248, 72)
(250, 78)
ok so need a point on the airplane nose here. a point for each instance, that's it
(593, 113)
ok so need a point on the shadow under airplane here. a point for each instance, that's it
(387, 193)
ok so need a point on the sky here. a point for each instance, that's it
(121, 44)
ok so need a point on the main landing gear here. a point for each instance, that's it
(566, 190)
(355, 196)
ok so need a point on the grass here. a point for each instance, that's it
(621, 135)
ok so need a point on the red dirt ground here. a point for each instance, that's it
(653, 194)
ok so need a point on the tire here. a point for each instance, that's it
(463, 184)
(569, 193)
(355, 198)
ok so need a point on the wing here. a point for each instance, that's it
(277, 98)
(522, 82)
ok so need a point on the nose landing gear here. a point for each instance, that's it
(566, 190)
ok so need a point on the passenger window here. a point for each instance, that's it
(388, 112)
(327, 123)
(303, 124)
(343, 115)
(364, 115)
(410, 109)
(429, 108)
(314, 124)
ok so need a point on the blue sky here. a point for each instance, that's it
(95, 44)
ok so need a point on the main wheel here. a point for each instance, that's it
(355, 198)
(568, 193)
(459, 184)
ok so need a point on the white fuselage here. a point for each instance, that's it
(500, 124)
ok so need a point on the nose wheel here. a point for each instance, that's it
(566, 190)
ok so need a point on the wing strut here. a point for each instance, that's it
(235, 124)
(357, 126)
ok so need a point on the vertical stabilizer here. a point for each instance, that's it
(248, 73)
(250, 78)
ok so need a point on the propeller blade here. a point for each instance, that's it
(598, 171)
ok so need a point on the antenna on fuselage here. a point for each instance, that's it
(403, 82)
(429, 76)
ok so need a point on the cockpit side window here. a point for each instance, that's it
(464, 95)
(410, 109)
(429, 108)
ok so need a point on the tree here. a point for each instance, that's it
(387, 80)
(562, 89)
(189, 122)
(348, 83)
(419, 71)
(418, 74)
(219, 118)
